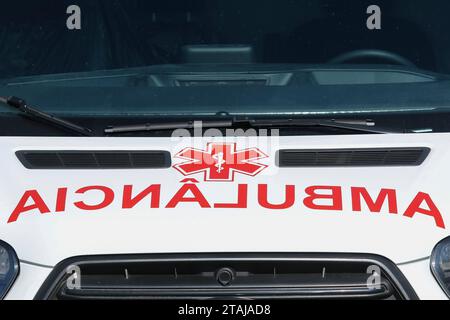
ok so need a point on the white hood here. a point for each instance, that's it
(47, 238)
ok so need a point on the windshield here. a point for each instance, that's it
(122, 34)
(162, 58)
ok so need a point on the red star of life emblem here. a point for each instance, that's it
(220, 161)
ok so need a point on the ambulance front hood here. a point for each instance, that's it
(211, 205)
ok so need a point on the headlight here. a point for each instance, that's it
(9, 268)
(440, 264)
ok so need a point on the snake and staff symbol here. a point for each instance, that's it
(220, 161)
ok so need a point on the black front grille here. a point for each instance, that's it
(225, 276)
(352, 157)
(94, 159)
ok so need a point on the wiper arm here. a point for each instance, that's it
(366, 126)
(33, 113)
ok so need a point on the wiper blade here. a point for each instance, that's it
(170, 126)
(34, 113)
(366, 126)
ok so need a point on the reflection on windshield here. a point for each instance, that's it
(52, 38)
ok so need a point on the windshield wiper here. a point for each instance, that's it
(33, 113)
(365, 126)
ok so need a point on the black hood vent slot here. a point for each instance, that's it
(375, 157)
(94, 159)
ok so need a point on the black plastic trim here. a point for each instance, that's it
(425, 151)
(389, 267)
(166, 162)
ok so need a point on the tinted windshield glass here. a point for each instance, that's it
(121, 34)
(184, 58)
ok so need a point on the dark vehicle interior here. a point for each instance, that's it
(190, 58)
(121, 34)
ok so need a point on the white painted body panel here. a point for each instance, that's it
(28, 282)
(422, 280)
(49, 238)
